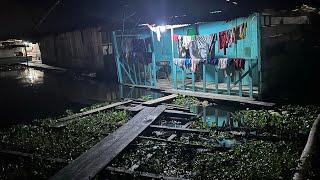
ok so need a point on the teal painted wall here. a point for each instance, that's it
(246, 48)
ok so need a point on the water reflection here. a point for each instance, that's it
(216, 116)
(28, 94)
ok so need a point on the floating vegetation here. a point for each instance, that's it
(294, 118)
(146, 97)
(66, 143)
(186, 101)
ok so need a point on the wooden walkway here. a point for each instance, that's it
(95, 159)
(221, 97)
(42, 66)
(213, 96)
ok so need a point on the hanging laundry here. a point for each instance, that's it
(187, 63)
(179, 62)
(222, 63)
(186, 41)
(138, 45)
(183, 49)
(241, 31)
(232, 37)
(194, 51)
(148, 44)
(147, 57)
(229, 71)
(212, 47)
(203, 43)
(216, 61)
(156, 30)
(175, 37)
(239, 63)
(223, 41)
(194, 64)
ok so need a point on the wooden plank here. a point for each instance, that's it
(137, 108)
(65, 120)
(30, 156)
(160, 100)
(180, 113)
(91, 162)
(142, 174)
(204, 77)
(221, 97)
(180, 129)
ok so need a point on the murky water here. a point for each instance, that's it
(28, 94)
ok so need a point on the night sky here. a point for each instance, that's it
(20, 17)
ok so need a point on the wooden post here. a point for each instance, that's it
(216, 77)
(129, 76)
(117, 57)
(135, 73)
(174, 66)
(250, 79)
(204, 78)
(139, 75)
(240, 82)
(216, 113)
(153, 60)
(228, 84)
(259, 55)
(193, 82)
(145, 74)
(175, 84)
(150, 74)
(183, 79)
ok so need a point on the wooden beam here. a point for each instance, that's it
(92, 161)
(221, 97)
(65, 120)
(30, 156)
(159, 100)
(180, 113)
(142, 174)
(180, 129)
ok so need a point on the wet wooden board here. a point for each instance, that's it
(159, 100)
(143, 174)
(180, 113)
(91, 162)
(65, 120)
(42, 66)
(18, 154)
(180, 129)
(221, 97)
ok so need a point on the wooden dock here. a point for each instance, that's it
(42, 66)
(221, 97)
(95, 159)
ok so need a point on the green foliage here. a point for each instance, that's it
(296, 118)
(186, 101)
(146, 97)
(95, 106)
(200, 124)
(66, 143)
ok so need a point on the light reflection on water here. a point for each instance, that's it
(28, 94)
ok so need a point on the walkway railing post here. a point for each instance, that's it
(117, 57)
(204, 78)
(174, 66)
(153, 60)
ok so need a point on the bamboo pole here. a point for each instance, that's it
(308, 149)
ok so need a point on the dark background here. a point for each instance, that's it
(20, 17)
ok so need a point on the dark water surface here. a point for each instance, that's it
(27, 93)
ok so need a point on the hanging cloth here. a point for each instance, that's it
(239, 63)
(222, 63)
(175, 38)
(156, 30)
(223, 41)
(203, 43)
(194, 64)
